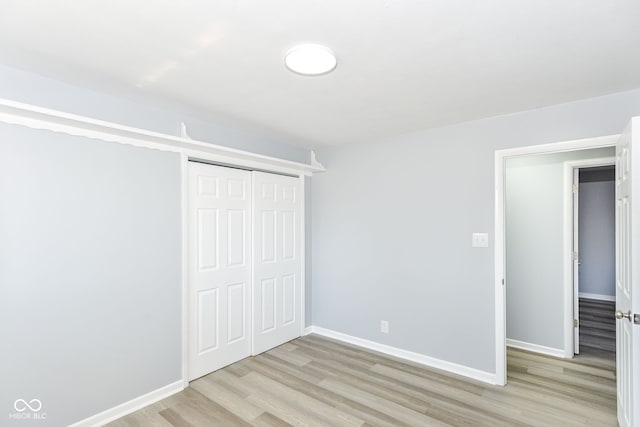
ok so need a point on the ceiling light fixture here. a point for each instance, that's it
(310, 59)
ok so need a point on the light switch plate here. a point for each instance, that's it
(480, 240)
(384, 326)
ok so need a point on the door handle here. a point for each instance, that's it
(621, 315)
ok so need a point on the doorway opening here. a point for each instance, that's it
(542, 257)
(543, 265)
(594, 258)
(555, 310)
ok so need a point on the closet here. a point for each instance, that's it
(244, 233)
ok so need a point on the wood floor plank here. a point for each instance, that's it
(320, 409)
(317, 381)
(376, 358)
(295, 381)
(392, 409)
(149, 416)
(268, 420)
(220, 393)
(291, 356)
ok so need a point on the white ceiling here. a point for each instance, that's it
(403, 65)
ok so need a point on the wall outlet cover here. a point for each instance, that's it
(480, 240)
(384, 326)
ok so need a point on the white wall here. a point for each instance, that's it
(534, 220)
(597, 238)
(392, 224)
(90, 273)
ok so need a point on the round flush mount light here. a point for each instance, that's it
(310, 59)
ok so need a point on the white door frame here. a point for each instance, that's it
(499, 255)
(570, 226)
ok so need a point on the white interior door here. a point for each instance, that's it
(219, 267)
(277, 210)
(576, 262)
(627, 277)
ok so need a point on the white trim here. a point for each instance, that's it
(314, 161)
(43, 118)
(132, 405)
(487, 377)
(499, 257)
(500, 274)
(184, 171)
(597, 296)
(549, 351)
(303, 262)
(309, 330)
(252, 303)
(559, 147)
(568, 224)
(575, 265)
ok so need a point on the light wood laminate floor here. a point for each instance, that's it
(317, 381)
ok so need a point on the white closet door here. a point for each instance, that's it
(277, 210)
(219, 267)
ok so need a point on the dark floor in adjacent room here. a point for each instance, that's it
(597, 325)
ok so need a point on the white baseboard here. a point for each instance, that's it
(308, 330)
(128, 407)
(487, 377)
(597, 296)
(549, 351)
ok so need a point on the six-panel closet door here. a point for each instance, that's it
(219, 267)
(244, 264)
(277, 265)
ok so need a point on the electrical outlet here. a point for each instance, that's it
(480, 240)
(384, 326)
